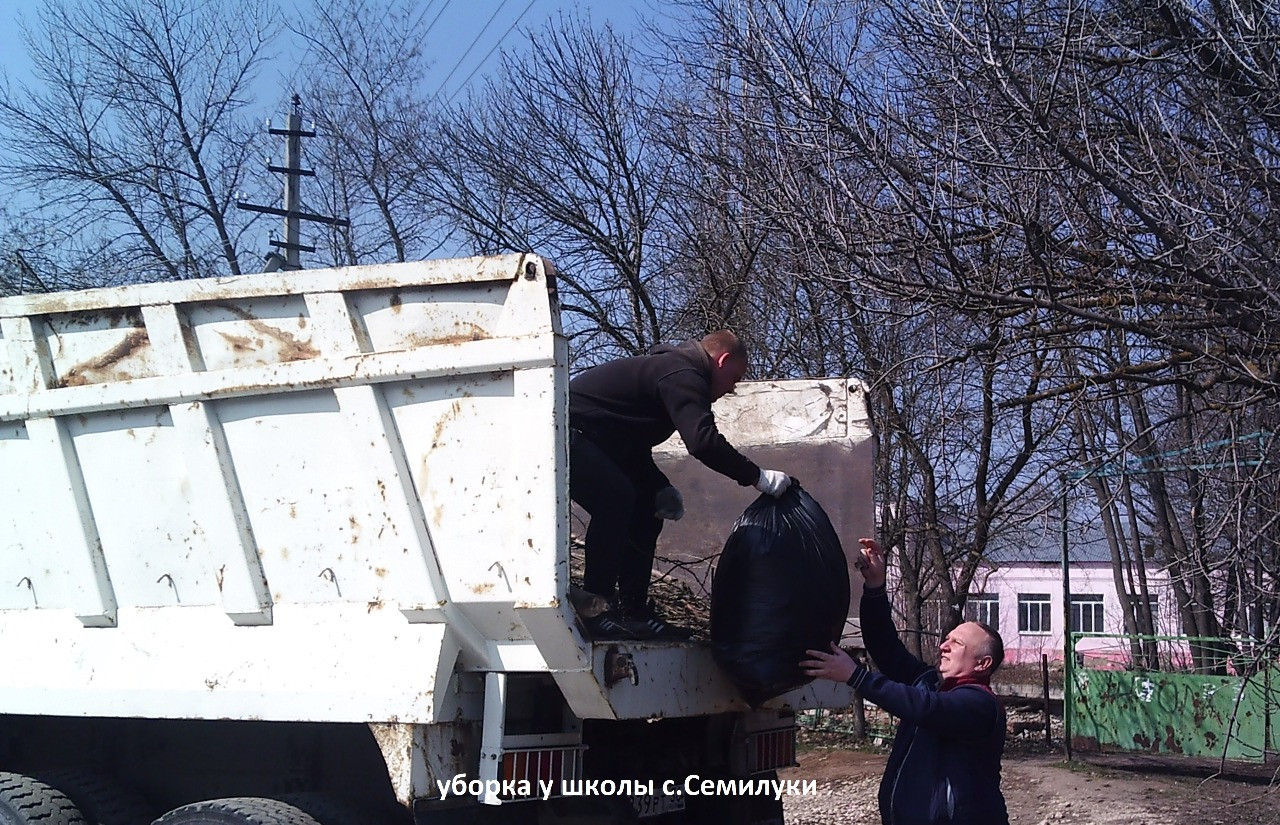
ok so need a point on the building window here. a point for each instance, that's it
(1152, 610)
(1086, 614)
(983, 608)
(1033, 613)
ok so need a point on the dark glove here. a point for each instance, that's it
(668, 504)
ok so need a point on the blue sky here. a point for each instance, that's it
(464, 43)
(464, 39)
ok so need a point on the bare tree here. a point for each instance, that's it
(558, 154)
(366, 69)
(1052, 180)
(1073, 159)
(1150, 131)
(955, 389)
(133, 127)
(34, 258)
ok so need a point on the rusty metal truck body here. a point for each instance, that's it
(309, 533)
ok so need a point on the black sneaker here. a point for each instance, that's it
(645, 623)
(608, 626)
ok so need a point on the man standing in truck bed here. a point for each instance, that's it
(618, 412)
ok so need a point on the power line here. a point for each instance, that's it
(465, 54)
(1150, 465)
(435, 19)
(484, 60)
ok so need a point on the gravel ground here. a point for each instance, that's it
(1041, 788)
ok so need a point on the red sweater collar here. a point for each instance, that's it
(957, 681)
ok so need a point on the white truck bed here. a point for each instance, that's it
(305, 496)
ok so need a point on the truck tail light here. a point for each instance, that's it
(547, 765)
(771, 749)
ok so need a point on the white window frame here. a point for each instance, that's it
(1043, 606)
(983, 607)
(1095, 604)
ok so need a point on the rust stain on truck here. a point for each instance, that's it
(462, 334)
(291, 349)
(100, 369)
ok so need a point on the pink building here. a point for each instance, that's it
(1020, 593)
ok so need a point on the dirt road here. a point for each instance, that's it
(1041, 789)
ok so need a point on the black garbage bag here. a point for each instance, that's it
(781, 588)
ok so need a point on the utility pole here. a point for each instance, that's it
(292, 212)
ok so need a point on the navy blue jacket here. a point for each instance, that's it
(945, 762)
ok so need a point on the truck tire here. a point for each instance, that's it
(325, 809)
(27, 801)
(245, 810)
(101, 799)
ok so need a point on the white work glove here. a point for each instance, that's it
(773, 482)
(669, 504)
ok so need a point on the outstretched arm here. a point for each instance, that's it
(961, 712)
(878, 633)
(687, 398)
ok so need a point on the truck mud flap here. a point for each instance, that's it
(762, 808)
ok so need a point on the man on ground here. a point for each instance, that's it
(945, 762)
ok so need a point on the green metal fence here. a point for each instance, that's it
(1112, 704)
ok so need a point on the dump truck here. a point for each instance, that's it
(296, 548)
